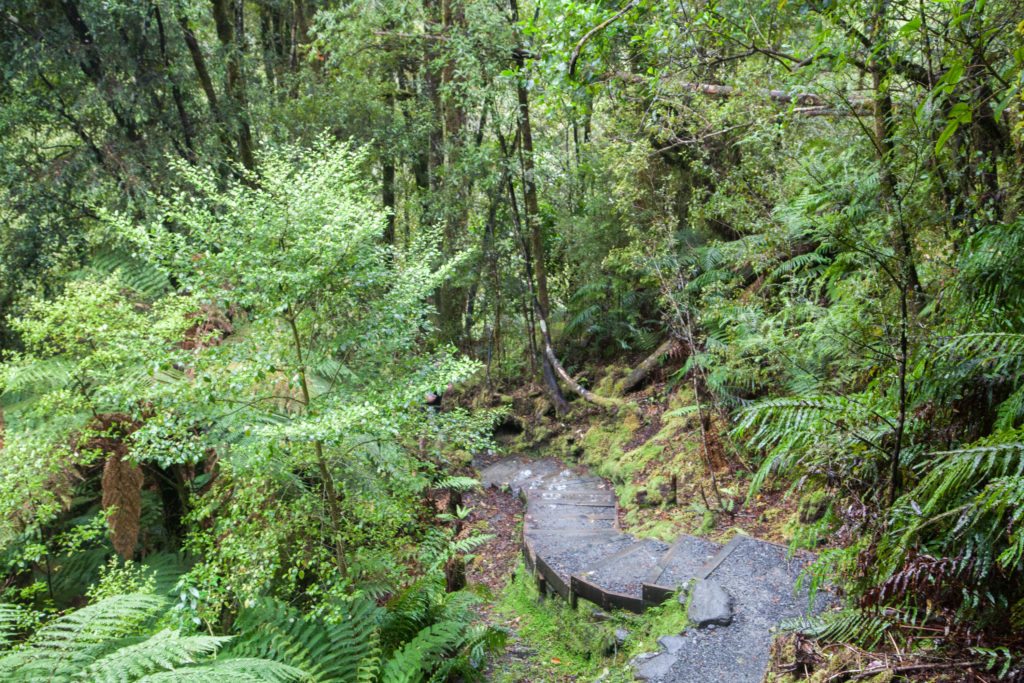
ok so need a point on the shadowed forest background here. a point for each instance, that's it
(241, 241)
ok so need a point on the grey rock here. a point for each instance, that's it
(710, 605)
(653, 666)
(598, 615)
(672, 644)
(618, 642)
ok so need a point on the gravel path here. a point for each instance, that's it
(571, 527)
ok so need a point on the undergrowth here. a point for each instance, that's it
(569, 643)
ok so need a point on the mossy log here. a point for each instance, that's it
(641, 372)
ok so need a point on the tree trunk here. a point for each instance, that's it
(229, 20)
(533, 224)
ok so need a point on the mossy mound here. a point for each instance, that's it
(654, 458)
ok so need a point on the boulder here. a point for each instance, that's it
(652, 666)
(672, 644)
(710, 605)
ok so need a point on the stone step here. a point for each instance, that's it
(585, 497)
(573, 559)
(569, 522)
(567, 480)
(519, 473)
(683, 561)
(625, 571)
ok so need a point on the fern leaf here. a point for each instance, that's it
(73, 641)
(8, 623)
(164, 650)
(234, 669)
(846, 626)
(457, 484)
(325, 651)
(418, 656)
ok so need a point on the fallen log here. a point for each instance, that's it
(635, 378)
(549, 353)
(859, 105)
(803, 104)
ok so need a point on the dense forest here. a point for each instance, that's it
(274, 272)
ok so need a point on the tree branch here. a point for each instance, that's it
(594, 31)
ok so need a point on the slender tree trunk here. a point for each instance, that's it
(388, 181)
(199, 63)
(92, 66)
(327, 480)
(228, 18)
(908, 284)
(187, 127)
(531, 205)
(547, 371)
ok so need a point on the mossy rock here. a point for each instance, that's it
(813, 506)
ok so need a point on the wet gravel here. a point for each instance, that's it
(760, 580)
(688, 558)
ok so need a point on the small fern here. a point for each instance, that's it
(845, 626)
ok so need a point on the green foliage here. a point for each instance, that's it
(422, 634)
(428, 635)
(346, 649)
(114, 640)
(195, 276)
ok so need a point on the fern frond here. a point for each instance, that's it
(953, 472)
(324, 651)
(420, 654)
(8, 623)
(234, 669)
(164, 650)
(457, 484)
(134, 273)
(987, 345)
(73, 641)
(1010, 411)
(768, 422)
(21, 383)
(845, 626)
